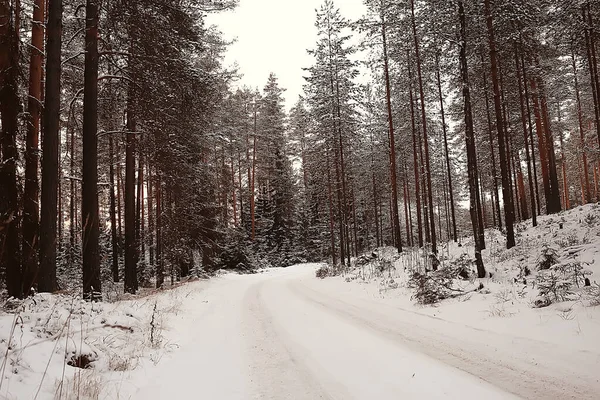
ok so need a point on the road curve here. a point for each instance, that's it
(280, 335)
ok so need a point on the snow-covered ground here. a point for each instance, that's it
(283, 334)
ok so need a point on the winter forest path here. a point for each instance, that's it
(280, 335)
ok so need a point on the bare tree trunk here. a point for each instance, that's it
(392, 154)
(151, 224)
(10, 255)
(89, 202)
(131, 248)
(553, 203)
(506, 179)
(425, 137)
(496, 192)
(30, 243)
(331, 216)
(449, 168)
(50, 142)
(160, 266)
(415, 154)
(525, 138)
(586, 178)
(470, 139)
(531, 141)
(113, 211)
(252, 181)
(592, 66)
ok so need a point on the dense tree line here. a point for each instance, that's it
(128, 155)
(483, 95)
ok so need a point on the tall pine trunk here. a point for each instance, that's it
(415, 154)
(50, 141)
(470, 139)
(31, 216)
(506, 179)
(10, 255)
(586, 173)
(89, 201)
(392, 141)
(446, 151)
(525, 138)
(131, 247)
(429, 199)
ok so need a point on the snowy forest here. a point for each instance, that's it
(428, 132)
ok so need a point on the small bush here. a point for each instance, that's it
(557, 282)
(322, 272)
(591, 219)
(434, 287)
(547, 258)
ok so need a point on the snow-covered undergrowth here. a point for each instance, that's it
(60, 347)
(536, 289)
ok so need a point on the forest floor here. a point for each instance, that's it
(283, 334)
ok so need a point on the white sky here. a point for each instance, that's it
(273, 36)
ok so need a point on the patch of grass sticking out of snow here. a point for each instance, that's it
(84, 385)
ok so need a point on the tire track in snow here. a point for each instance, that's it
(277, 371)
(506, 362)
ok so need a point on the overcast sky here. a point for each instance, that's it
(273, 36)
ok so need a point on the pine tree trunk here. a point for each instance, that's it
(131, 248)
(89, 201)
(30, 244)
(10, 255)
(531, 141)
(470, 139)
(505, 173)
(496, 193)
(415, 154)
(139, 212)
(425, 137)
(113, 211)
(160, 267)
(151, 225)
(392, 140)
(447, 153)
(553, 203)
(331, 216)
(586, 178)
(50, 142)
(525, 138)
(592, 66)
(252, 181)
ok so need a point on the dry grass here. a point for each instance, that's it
(84, 385)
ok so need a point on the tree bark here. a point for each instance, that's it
(131, 247)
(50, 142)
(586, 174)
(470, 139)
(415, 153)
(89, 204)
(506, 179)
(392, 141)
(113, 212)
(425, 137)
(30, 243)
(449, 169)
(525, 138)
(496, 193)
(10, 255)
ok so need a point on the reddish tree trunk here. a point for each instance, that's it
(30, 242)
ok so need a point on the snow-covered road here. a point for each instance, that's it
(283, 335)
